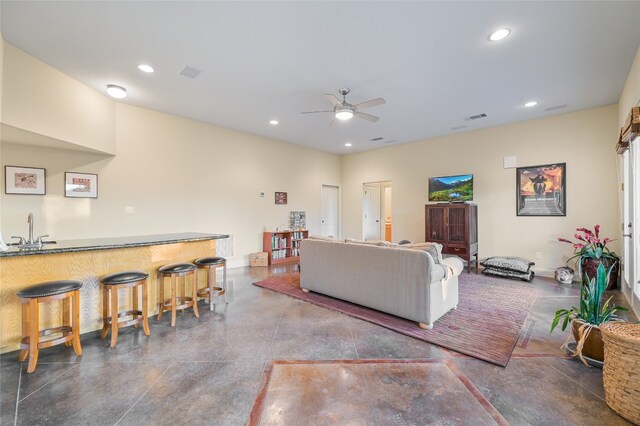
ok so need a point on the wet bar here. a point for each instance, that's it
(86, 261)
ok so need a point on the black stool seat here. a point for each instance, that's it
(50, 288)
(124, 277)
(176, 268)
(210, 261)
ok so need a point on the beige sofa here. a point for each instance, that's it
(408, 283)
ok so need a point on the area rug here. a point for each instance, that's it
(486, 325)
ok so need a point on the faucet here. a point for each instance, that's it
(30, 221)
(30, 242)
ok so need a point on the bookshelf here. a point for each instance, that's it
(283, 246)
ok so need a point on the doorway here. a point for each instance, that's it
(376, 211)
(631, 221)
(330, 210)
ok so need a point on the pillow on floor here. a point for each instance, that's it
(508, 263)
(524, 276)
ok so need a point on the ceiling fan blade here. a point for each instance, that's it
(368, 117)
(332, 98)
(334, 122)
(313, 112)
(371, 103)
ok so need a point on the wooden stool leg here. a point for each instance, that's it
(195, 293)
(145, 308)
(173, 301)
(105, 311)
(134, 301)
(114, 316)
(25, 329)
(34, 334)
(75, 323)
(224, 281)
(211, 282)
(66, 316)
(161, 292)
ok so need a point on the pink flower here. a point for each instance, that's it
(585, 230)
(579, 237)
(564, 240)
(597, 229)
(606, 240)
(578, 246)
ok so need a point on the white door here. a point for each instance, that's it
(329, 215)
(627, 221)
(371, 212)
(634, 220)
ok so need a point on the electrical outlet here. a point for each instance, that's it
(538, 255)
(262, 194)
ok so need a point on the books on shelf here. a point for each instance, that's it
(279, 254)
(278, 242)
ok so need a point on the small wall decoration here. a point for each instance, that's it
(281, 198)
(80, 185)
(24, 180)
(541, 190)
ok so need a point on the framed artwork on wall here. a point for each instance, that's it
(24, 180)
(281, 198)
(80, 185)
(541, 190)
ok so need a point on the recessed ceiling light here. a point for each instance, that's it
(145, 68)
(531, 104)
(274, 122)
(500, 34)
(117, 92)
(348, 144)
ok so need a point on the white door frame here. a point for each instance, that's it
(339, 218)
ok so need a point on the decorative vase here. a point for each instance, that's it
(590, 269)
(593, 346)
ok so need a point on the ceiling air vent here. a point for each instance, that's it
(458, 127)
(189, 72)
(378, 139)
(555, 108)
(475, 117)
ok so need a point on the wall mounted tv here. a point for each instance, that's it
(451, 188)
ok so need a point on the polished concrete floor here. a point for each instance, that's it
(270, 359)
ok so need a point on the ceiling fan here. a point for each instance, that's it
(342, 110)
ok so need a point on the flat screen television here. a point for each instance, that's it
(451, 188)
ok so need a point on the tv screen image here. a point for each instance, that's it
(451, 188)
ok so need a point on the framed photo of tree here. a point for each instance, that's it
(541, 190)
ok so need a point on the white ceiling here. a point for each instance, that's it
(431, 61)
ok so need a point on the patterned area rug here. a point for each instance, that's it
(486, 325)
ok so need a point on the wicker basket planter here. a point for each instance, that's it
(622, 368)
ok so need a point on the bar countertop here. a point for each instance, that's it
(111, 243)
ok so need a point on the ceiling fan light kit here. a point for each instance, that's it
(342, 110)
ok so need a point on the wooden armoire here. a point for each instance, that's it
(455, 226)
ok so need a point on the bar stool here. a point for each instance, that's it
(65, 290)
(176, 271)
(210, 264)
(110, 286)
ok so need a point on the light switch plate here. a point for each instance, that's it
(510, 162)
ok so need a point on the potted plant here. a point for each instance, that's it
(585, 321)
(590, 251)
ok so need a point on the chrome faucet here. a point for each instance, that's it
(31, 243)
(30, 222)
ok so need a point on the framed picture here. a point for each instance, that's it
(80, 185)
(541, 190)
(24, 180)
(281, 198)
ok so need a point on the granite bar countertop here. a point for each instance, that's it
(111, 243)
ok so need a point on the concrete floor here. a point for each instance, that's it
(212, 370)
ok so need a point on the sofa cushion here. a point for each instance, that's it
(321, 238)
(380, 243)
(508, 263)
(434, 249)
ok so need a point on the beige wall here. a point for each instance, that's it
(40, 99)
(179, 175)
(584, 140)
